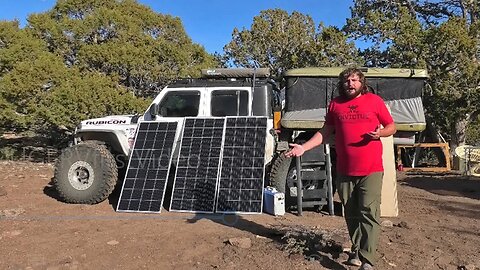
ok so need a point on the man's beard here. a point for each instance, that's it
(351, 95)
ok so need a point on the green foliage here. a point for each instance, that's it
(89, 58)
(389, 25)
(144, 50)
(473, 132)
(279, 40)
(441, 36)
(7, 153)
(57, 96)
(16, 46)
(454, 70)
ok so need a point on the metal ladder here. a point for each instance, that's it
(314, 179)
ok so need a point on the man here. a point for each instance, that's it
(356, 117)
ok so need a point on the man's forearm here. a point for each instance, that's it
(315, 141)
(320, 137)
(388, 130)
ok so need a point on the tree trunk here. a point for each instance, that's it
(458, 133)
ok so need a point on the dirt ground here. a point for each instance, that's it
(438, 228)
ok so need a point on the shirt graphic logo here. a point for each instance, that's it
(353, 114)
(353, 108)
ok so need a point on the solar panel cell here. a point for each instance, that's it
(198, 164)
(241, 179)
(147, 172)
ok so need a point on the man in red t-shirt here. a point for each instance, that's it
(356, 117)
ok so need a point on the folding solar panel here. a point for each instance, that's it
(240, 187)
(148, 167)
(198, 165)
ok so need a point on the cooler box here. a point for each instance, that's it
(273, 202)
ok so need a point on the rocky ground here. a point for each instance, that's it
(438, 228)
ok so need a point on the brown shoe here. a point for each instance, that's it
(354, 259)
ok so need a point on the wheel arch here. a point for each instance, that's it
(114, 139)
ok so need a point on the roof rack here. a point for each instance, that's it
(236, 73)
(215, 82)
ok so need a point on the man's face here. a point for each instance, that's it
(352, 86)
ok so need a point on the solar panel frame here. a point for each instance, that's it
(145, 180)
(197, 169)
(234, 163)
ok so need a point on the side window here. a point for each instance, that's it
(229, 103)
(180, 104)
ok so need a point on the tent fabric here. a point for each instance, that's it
(306, 100)
(396, 88)
(389, 200)
(307, 93)
(407, 110)
(403, 111)
(304, 93)
(304, 119)
(369, 72)
(306, 115)
(411, 127)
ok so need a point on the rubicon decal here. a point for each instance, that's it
(106, 122)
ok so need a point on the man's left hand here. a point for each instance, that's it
(375, 134)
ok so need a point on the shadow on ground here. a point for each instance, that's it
(51, 192)
(456, 208)
(445, 184)
(312, 245)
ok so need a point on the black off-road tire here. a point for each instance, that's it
(283, 171)
(282, 168)
(85, 173)
(279, 171)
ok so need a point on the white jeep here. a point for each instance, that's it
(88, 171)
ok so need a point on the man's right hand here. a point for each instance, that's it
(296, 150)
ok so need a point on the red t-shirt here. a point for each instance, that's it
(357, 153)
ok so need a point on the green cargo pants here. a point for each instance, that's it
(360, 196)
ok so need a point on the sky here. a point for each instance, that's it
(208, 22)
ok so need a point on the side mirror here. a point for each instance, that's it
(153, 110)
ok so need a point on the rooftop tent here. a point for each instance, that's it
(309, 91)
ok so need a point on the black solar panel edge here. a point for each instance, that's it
(260, 207)
(134, 146)
(188, 119)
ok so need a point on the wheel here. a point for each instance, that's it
(85, 173)
(283, 177)
(283, 173)
(279, 171)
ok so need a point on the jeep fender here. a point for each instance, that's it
(116, 139)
